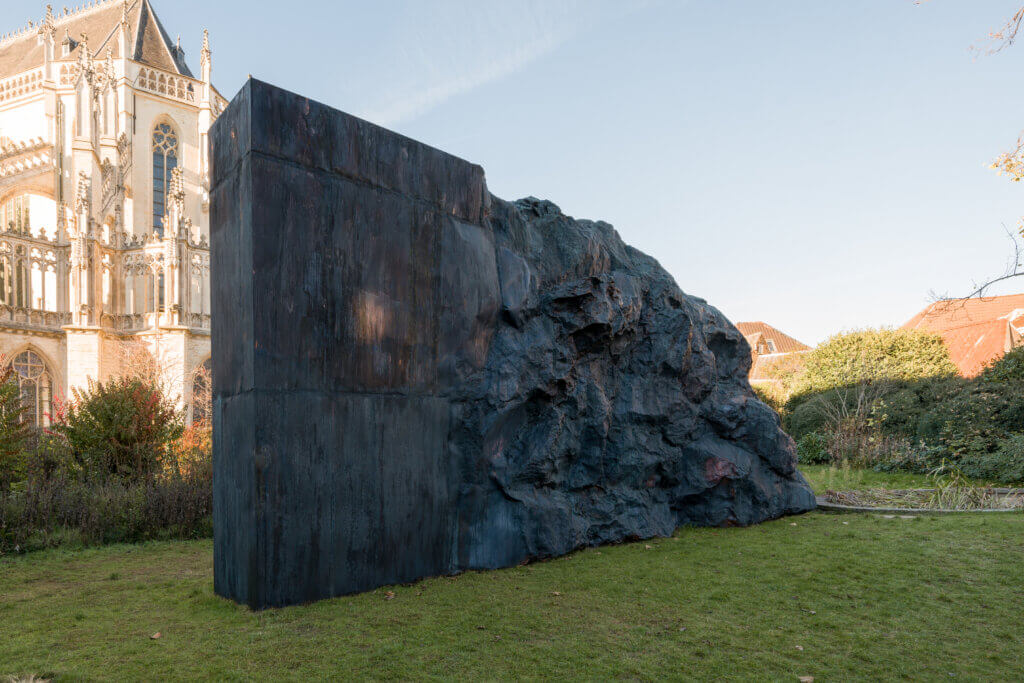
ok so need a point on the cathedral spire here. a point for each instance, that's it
(206, 57)
(125, 30)
(206, 99)
(48, 37)
(84, 56)
(205, 54)
(47, 27)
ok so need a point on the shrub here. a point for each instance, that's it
(1005, 464)
(66, 510)
(50, 456)
(919, 459)
(60, 503)
(872, 355)
(847, 406)
(1009, 368)
(848, 445)
(812, 449)
(193, 451)
(977, 420)
(117, 466)
(905, 408)
(970, 423)
(869, 448)
(804, 418)
(890, 401)
(123, 427)
(14, 429)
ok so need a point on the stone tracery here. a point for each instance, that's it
(115, 239)
(37, 385)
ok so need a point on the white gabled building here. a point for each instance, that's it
(104, 212)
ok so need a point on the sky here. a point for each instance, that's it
(820, 166)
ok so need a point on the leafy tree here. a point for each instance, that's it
(123, 427)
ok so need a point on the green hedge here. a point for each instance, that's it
(873, 355)
(976, 424)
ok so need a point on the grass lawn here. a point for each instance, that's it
(838, 597)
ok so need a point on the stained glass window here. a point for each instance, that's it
(36, 387)
(165, 160)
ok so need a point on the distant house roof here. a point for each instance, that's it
(763, 332)
(148, 41)
(976, 331)
(770, 368)
(771, 350)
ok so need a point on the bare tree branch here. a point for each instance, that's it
(1009, 163)
(1014, 264)
(1006, 36)
(1014, 269)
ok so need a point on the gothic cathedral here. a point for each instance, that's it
(104, 223)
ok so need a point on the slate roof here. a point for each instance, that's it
(976, 331)
(149, 43)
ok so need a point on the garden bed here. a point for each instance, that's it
(924, 501)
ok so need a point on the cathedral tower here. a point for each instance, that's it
(104, 226)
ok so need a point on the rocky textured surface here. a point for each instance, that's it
(611, 404)
(422, 379)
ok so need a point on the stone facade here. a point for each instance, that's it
(104, 224)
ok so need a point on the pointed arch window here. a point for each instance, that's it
(14, 214)
(21, 284)
(161, 295)
(36, 384)
(165, 160)
(151, 293)
(6, 281)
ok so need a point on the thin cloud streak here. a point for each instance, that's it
(480, 43)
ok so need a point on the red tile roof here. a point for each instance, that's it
(771, 367)
(758, 331)
(976, 331)
(782, 353)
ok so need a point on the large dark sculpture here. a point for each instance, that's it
(413, 377)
